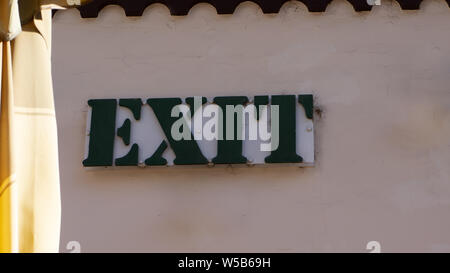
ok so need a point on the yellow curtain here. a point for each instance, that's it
(30, 208)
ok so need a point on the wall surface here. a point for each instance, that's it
(381, 79)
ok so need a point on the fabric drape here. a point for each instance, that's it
(30, 207)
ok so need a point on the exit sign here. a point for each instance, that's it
(200, 131)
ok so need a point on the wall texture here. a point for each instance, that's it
(382, 170)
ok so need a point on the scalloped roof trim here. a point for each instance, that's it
(182, 7)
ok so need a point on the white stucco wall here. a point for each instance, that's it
(382, 170)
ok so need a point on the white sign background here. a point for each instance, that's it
(148, 134)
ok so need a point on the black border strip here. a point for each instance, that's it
(182, 7)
